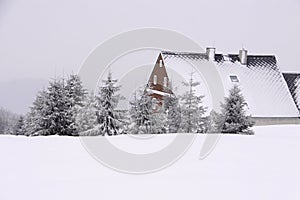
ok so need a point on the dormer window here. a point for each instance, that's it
(160, 63)
(234, 79)
(154, 79)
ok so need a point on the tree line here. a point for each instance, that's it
(65, 107)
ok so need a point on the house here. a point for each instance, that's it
(272, 97)
(159, 83)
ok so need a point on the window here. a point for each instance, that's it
(154, 103)
(160, 63)
(234, 79)
(165, 82)
(154, 79)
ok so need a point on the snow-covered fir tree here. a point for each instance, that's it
(85, 115)
(2, 124)
(234, 113)
(75, 94)
(107, 100)
(144, 111)
(215, 122)
(172, 113)
(35, 120)
(53, 111)
(134, 113)
(192, 109)
(144, 117)
(19, 127)
(3, 121)
(57, 110)
(75, 91)
(8, 121)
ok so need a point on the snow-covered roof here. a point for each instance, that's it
(293, 82)
(261, 80)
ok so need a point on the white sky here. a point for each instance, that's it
(41, 38)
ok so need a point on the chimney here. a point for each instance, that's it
(210, 52)
(243, 56)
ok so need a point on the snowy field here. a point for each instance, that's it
(263, 166)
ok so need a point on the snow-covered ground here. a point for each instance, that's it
(263, 166)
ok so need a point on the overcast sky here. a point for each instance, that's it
(39, 38)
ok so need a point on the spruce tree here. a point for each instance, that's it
(53, 111)
(8, 121)
(85, 115)
(192, 109)
(75, 91)
(144, 118)
(144, 106)
(107, 101)
(75, 96)
(172, 113)
(2, 124)
(215, 122)
(134, 112)
(234, 114)
(18, 129)
(35, 119)
(57, 113)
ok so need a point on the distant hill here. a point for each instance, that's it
(18, 95)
